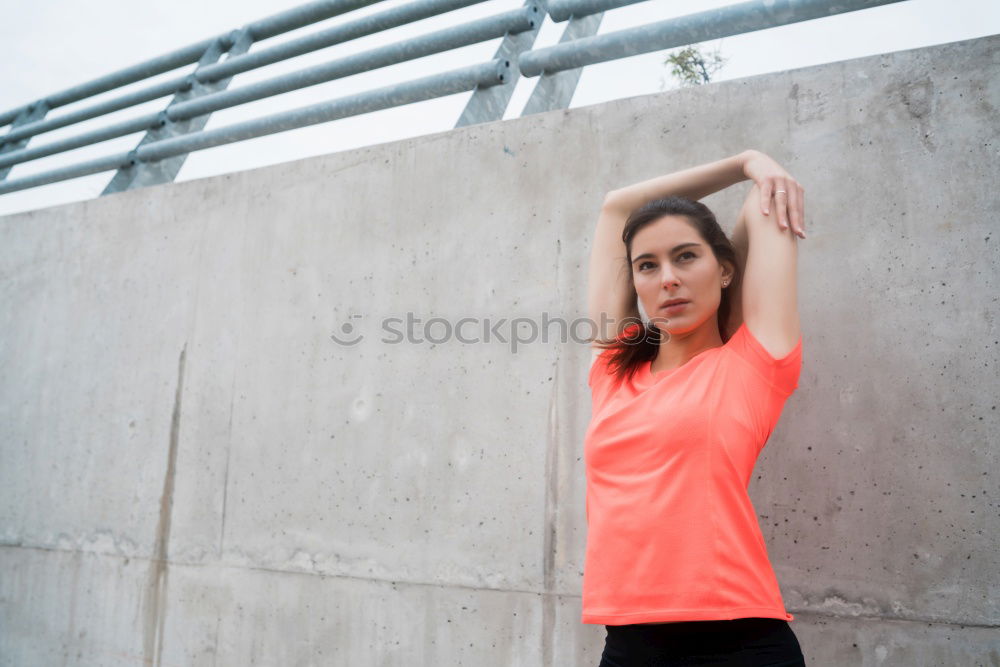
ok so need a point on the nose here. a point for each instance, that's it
(668, 278)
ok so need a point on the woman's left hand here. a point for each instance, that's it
(773, 180)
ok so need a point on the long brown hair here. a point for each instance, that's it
(639, 342)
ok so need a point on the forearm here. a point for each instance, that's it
(693, 183)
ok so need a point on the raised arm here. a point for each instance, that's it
(788, 211)
(770, 283)
(611, 298)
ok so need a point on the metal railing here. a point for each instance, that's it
(178, 130)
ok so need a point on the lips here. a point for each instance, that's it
(674, 302)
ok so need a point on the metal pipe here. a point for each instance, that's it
(125, 101)
(562, 10)
(95, 166)
(142, 123)
(491, 73)
(491, 27)
(165, 63)
(514, 21)
(303, 15)
(267, 27)
(691, 29)
(338, 34)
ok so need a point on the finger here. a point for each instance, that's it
(781, 203)
(765, 196)
(794, 209)
(802, 210)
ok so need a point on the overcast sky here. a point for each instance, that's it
(50, 45)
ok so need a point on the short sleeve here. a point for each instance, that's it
(781, 374)
(598, 377)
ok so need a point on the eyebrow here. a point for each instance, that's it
(672, 250)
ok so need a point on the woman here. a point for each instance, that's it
(683, 402)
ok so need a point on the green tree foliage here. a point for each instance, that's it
(692, 67)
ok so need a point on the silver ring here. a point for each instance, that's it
(781, 191)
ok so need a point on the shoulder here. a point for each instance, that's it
(781, 373)
(599, 361)
(600, 356)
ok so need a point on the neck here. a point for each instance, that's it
(678, 349)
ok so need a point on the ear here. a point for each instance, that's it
(728, 271)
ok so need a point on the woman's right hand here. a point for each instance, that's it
(774, 181)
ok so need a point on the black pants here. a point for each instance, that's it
(741, 642)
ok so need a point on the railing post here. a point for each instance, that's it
(487, 104)
(164, 171)
(555, 91)
(33, 112)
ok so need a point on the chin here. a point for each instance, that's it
(677, 325)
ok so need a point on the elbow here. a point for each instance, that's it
(613, 201)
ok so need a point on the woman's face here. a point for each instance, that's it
(670, 260)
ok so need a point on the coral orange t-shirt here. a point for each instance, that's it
(671, 532)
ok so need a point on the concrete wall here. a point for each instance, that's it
(195, 473)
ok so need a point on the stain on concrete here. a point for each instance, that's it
(550, 537)
(808, 105)
(918, 98)
(154, 601)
